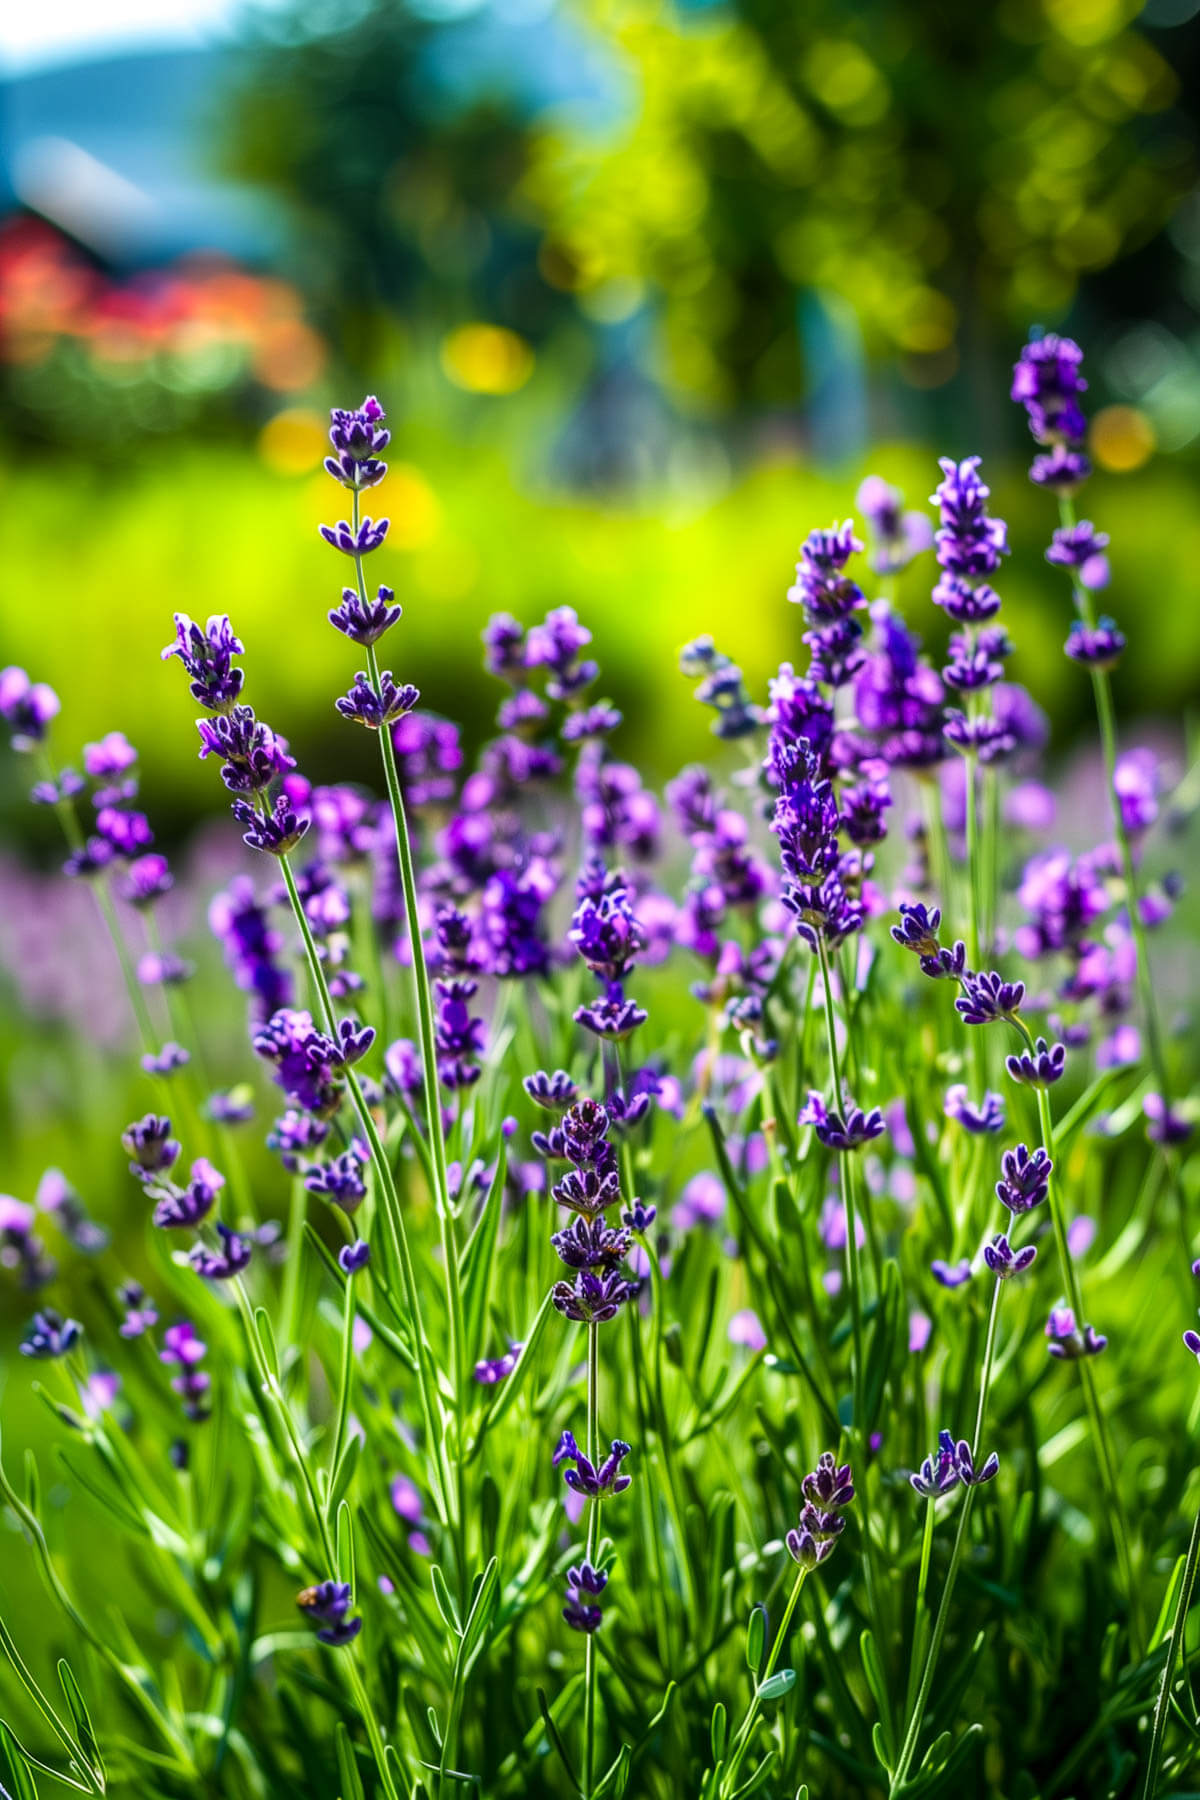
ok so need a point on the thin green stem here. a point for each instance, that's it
(742, 1742)
(1174, 1644)
(589, 1672)
(392, 1216)
(1104, 1457)
(853, 1272)
(912, 1735)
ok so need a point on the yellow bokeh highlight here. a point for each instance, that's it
(1122, 439)
(293, 442)
(414, 508)
(487, 359)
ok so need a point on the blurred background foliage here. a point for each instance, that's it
(646, 288)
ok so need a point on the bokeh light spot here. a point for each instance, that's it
(487, 359)
(1122, 438)
(293, 442)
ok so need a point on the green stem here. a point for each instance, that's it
(742, 1741)
(853, 1272)
(1178, 1625)
(1104, 1456)
(912, 1735)
(589, 1672)
(390, 1210)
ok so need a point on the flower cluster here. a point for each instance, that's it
(828, 1491)
(952, 1464)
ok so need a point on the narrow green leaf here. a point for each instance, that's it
(756, 1637)
(344, 1540)
(479, 1260)
(719, 1730)
(879, 1745)
(777, 1685)
(345, 1472)
(444, 1599)
(266, 1339)
(80, 1717)
(349, 1779)
(877, 1682)
(615, 1778)
(552, 1732)
(483, 1608)
(12, 1760)
(510, 1390)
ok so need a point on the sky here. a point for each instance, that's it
(35, 36)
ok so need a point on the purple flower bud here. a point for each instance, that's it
(26, 707)
(1040, 1067)
(1165, 1124)
(149, 1142)
(364, 706)
(353, 1257)
(1025, 1178)
(1047, 383)
(988, 997)
(355, 541)
(950, 1275)
(1067, 1341)
(339, 1181)
(489, 1372)
(48, 1336)
(988, 1116)
(1081, 548)
(364, 621)
(207, 656)
(918, 929)
(327, 1605)
(592, 1299)
(1004, 1261)
(225, 1263)
(274, 833)
(1062, 470)
(968, 1474)
(593, 1483)
(841, 1132)
(554, 1092)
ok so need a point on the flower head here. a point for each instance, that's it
(1025, 1178)
(1004, 1261)
(327, 1605)
(48, 1336)
(584, 1477)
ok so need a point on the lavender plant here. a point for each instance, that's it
(444, 1367)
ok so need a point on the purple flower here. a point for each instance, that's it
(987, 1116)
(1135, 783)
(968, 1474)
(364, 621)
(1165, 1123)
(1040, 1067)
(150, 1144)
(822, 588)
(897, 536)
(339, 1181)
(364, 706)
(918, 929)
(964, 602)
(111, 755)
(612, 1017)
(592, 1299)
(939, 1472)
(745, 1329)
(1067, 1341)
(1063, 469)
(275, 832)
(183, 1347)
(231, 1106)
(141, 1314)
(359, 440)
(951, 1275)
(841, 1131)
(207, 656)
(593, 1483)
(969, 543)
(489, 1372)
(584, 1581)
(353, 1257)
(1025, 1178)
(146, 879)
(827, 1491)
(1192, 1340)
(225, 1263)
(327, 1605)
(165, 1061)
(26, 707)
(357, 540)
(1081, 547)
(589, 1242)
(988, 997)
(1004, 1261)
(1098, 646)
(48, 1336)
(555, 1092)
(1047, 383)
(183, 1208)
(606, 934)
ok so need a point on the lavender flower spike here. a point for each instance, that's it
(827, 1491)
(988, 1116)
(225, 1263)
(363, 706)
(327, 1605)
